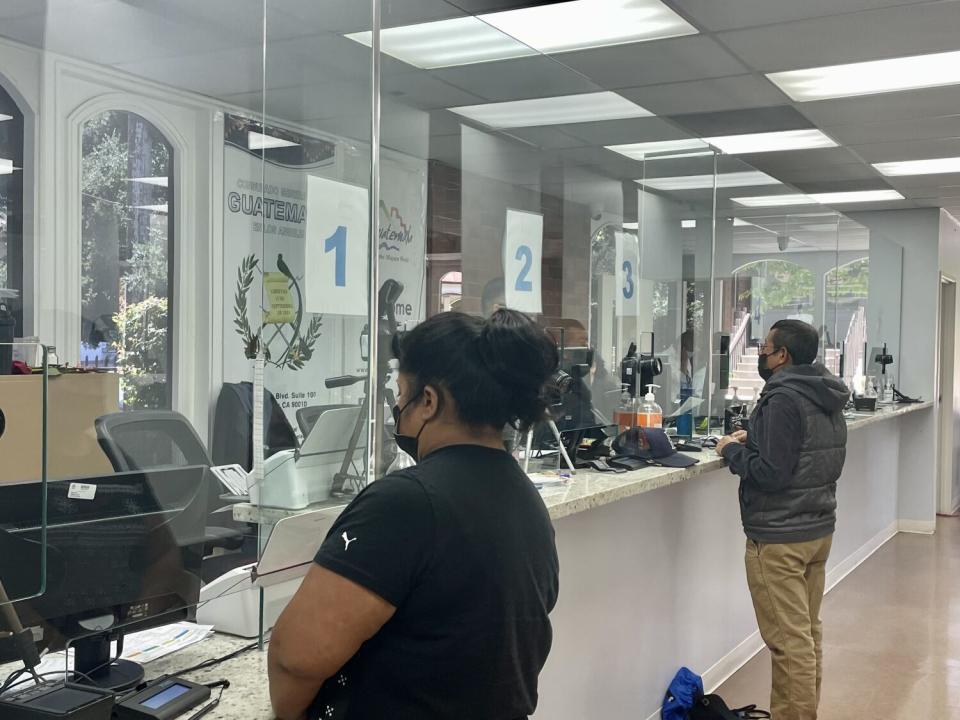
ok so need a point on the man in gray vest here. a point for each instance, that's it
(788, 464)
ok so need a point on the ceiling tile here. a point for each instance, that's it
(908, 105)
(344, 17)
(426, 92)
(649, 63)
(908, 150)
(773, 163)
(217, 74)
(892, 32)
(901, 130)
(530, 77)
(545, 137)
(620, 132)
(834, 185)
(730, 14)
(853, 171)
(113, 32)
(726, 93)
(738, 122)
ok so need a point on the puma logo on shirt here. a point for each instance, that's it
(347, 541)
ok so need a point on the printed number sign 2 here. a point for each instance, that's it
(524, 255)
(337, 243)
(522, 260)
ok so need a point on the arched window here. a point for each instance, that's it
(127, 255)
(11, 206)
(771, 290)
(451, 290)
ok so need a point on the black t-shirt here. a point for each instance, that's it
(463, 547)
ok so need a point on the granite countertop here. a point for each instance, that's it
(247, 698)
(589, 489)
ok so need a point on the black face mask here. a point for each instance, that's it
(408, 443)
(765, 372)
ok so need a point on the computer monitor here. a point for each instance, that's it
(123, 556)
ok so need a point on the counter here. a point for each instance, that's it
(647, 583)
(590, 489)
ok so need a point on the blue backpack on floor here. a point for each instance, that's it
(682, 695)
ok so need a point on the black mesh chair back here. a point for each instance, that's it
(146, 439)
(150, 439)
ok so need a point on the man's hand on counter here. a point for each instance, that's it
(740, 436)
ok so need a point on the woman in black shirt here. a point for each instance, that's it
(430, 596)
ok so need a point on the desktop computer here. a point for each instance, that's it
(122, 554)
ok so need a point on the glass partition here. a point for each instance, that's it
(149, 383)
(23, 485)
(315, 257)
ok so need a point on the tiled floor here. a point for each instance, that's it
(891, 636)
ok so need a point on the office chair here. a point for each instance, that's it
(146, 439)
(307, 417)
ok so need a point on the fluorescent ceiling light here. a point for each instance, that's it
(856, 196)
(559, 110)
(674, 156)
(870, 78)
(771, 141)
(581, 24)
(259, 141)
(740, 222)
(6, 167)
(631, 226)
(5, 117)
(699, 182)
(518, 33)
(688, 224)
(920, 167)
(639, 151)
(446, 43)
(153, 208)
(159, 181)
(774, 200)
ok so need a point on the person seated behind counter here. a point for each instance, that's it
(430, 595)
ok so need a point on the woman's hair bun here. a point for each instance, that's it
(494, 369)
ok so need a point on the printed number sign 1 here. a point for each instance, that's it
(522, 258)
(337, 247)
(628, 255)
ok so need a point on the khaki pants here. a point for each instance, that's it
(786, 583)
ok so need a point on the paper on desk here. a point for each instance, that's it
(148, 645)
(140, 647)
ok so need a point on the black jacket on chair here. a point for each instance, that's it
(233, 426)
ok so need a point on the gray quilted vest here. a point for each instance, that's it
(806, 509)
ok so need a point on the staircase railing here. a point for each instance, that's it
(740, 340)
(854, 343)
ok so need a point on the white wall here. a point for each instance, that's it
(918, 231)
(950, 266)
(885, 298)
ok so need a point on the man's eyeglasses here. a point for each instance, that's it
(765, 349)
